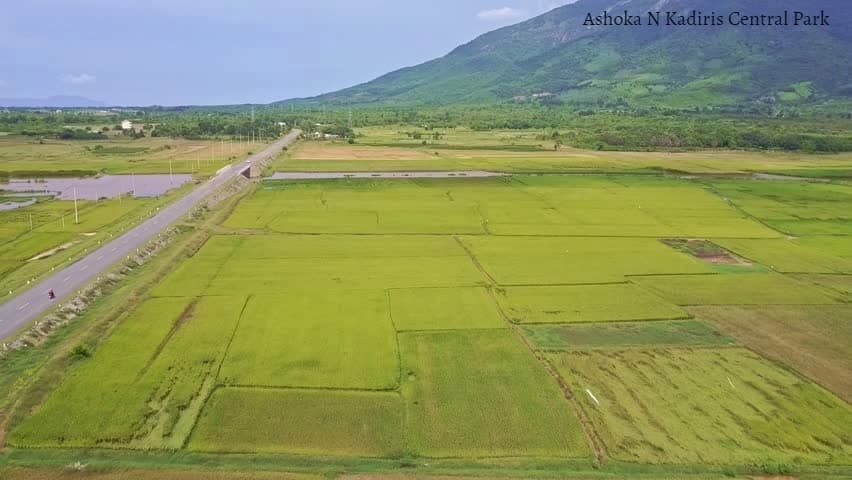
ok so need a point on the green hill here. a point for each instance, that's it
(554, 58)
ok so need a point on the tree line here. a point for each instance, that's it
(603, 129)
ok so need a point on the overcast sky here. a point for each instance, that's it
(177, 52)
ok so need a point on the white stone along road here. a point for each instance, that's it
(31, 304)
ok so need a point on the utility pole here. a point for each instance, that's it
(63, 222)
(31, 222)
(76, 214)
(171, 180)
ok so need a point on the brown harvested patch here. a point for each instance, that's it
(71, 473)
(812, 339)
(707, 251)
(335, 151)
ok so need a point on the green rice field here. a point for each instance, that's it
(530, 326)
(705, 406)
(584, 303)
(625, 334)
(337, 339)
(501, 381)
(306, 422)
(735, 289)
(461, 308)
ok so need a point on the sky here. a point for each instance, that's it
(213, 52)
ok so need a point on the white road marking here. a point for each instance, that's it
(125, 242)
(65, 280)
(100, 257)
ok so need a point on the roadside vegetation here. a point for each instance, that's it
(36, 239)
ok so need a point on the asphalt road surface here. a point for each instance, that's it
(31, 304)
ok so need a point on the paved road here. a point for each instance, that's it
(32, 303)
(327, 175)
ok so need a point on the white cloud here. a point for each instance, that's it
(81, 79)
(500, 14)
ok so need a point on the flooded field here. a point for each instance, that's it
(14, 205)
(106, 186)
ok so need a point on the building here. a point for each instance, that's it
(126, 125)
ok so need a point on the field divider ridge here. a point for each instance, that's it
(738, 208)
(588, 428)
(475, 260)
(184, 317)
(216, 384)
(233, 334)
(395, 339)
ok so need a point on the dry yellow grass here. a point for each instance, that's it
(120, 155)
(338, 155)
(813, 339)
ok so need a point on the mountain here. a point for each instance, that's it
(556, 58)
(58, 101)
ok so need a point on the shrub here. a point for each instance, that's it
(80, 352)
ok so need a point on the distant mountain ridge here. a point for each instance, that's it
(57, 101)
(555, 58)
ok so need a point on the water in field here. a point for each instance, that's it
(13, 205)
(106, 186)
